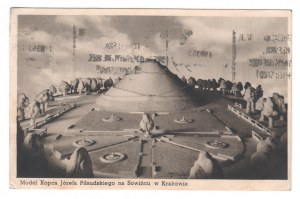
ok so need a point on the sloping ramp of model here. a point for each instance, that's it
(154, 89)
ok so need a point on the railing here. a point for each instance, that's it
(250, 120)
(50, 117)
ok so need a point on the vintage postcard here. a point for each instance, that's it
(150, 99)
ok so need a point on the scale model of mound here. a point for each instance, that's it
(155, 89)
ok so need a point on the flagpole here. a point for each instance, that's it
(233, 55)
(74, 49)
(167, 46)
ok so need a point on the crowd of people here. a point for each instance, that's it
(255, 99)
(39, 105)
(222, 86)
(34, 109)
(85, 85)
(268, 152)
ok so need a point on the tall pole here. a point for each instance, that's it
(74, 41)
(233, 55)
(74, 48)
(167, 46)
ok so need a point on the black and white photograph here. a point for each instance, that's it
(150, 99)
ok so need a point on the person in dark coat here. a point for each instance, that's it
(215, 85)
(199, 83)
(184, 79)
(258, 93)
(108, 83)
(229, 86)
(240, 87)
(280, 106)
(192, 82)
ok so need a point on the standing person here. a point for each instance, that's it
(209, 84)
(192, 82)
(279, 105)
(100, 84)
(234, 90)
(240, 87)
(259, 104)
(199, 82)
(23, 102)
(64, 87)
(86, 82)
(94, 85)
(204, 84)
(45, 97)
(74, 85)
(223, 87)
(184, 79)
(247, 84)
(268, 111)
(215, 85)
(42, 98)
(249, 98)
(258, 93)
(229, 86)
(108, 83)
(111, 82)
(52, 90)
(80, 87)
(34, 111)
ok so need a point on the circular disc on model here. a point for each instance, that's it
(112, 157)
(83, 143)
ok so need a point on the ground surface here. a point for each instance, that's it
(171, 161)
